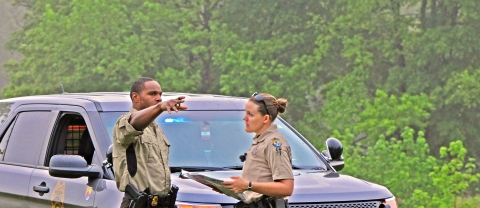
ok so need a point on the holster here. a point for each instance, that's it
(146, 200)
(264, 202)
(173, 196)
(138, 199)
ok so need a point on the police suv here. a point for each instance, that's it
(208, 138)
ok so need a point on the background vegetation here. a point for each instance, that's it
(396, 81)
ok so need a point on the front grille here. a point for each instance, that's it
(367, 204)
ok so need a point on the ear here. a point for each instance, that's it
(266, 118)
(135, 97)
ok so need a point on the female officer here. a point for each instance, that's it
(268, 166)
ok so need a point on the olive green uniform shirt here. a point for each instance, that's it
(151, 150)
(268, 159)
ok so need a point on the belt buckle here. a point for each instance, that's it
(154, 201)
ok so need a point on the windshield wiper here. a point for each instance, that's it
(240, 167)
(235, 167)
(307, 167)
(174, 169)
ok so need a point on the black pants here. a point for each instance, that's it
(259, 204)
(126, 203)
(264, 202)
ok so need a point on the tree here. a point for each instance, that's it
(84, 45)
(450, 180)
(405, 164)
(274, 52)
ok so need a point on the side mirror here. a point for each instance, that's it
(108, 163)
(333, 153)
(335, 148)
(72, 166)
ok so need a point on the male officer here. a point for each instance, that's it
(140, 149)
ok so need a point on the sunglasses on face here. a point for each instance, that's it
(259, 98)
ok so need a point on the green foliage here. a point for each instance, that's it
(450, 179)
(416, 178)
(402, 165)
(360, 122)
(106, 45)
(388, 114)
(437, 49)
(463, 89)
(99, 51)
(200, 36)
(274, 52)
(459, 109)
(345, 99)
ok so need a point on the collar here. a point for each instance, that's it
(261, 137)
(133, 110)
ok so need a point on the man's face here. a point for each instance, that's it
(150, 95)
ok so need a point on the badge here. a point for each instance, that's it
(88, 192)
(254, 152)
(58, 195)
(154, 201)
(278, 145)
(276, 142)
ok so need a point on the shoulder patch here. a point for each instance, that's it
(276, 142)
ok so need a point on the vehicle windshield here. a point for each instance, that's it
(216, 139)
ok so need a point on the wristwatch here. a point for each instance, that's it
(249, 186)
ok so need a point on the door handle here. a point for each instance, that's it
(41, 189)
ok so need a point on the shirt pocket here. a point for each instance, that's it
(151, 149)
(162, 135)
(153, 152)
(166, 141)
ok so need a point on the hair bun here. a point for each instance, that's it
(281, 105)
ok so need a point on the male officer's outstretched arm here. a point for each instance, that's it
(142, 118)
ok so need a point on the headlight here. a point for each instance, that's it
(391, 201)
(196, 205)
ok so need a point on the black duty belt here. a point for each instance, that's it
(159, 201)
(145, 199)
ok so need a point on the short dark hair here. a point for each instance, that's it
(138, 85)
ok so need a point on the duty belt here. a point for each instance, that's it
(264, 202)
(160, 201)
(145, 199)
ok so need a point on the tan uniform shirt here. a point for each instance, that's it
(268, 159)
(151, 150)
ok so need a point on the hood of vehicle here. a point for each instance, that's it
(310, 187)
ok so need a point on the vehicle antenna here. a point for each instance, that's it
(61, 86)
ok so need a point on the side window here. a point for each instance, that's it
(4, 140)
(71, 137)
(5, 110)
(27, 133)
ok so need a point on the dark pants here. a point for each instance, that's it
(126, 203)
(265, 202)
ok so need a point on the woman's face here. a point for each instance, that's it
(254, 121)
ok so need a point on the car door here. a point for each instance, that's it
(20, 146)
(71, 135)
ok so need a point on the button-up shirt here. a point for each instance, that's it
(151, 153)
(268, 159)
